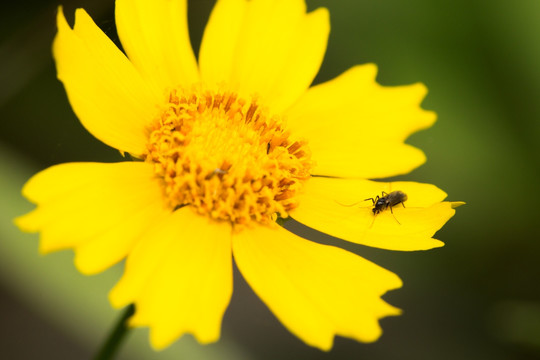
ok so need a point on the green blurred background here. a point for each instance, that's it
(478, 297)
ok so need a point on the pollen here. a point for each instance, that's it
(227, 157)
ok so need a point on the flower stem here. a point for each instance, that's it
(117, 335)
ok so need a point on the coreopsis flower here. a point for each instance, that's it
(223, 147)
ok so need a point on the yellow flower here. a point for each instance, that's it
(225, 146)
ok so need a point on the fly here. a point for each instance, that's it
(388, 201)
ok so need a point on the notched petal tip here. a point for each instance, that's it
(323, 291)
(107, 94)
(165, 266)
(161, 339)
(385, 115)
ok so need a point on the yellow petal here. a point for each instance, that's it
(337, 207)
(155, 36)
(107, 94)
(316, 291)
(265, 47)
(357, 128)
(100, 210)
(180, 278)
(303, 61)
(218, 47)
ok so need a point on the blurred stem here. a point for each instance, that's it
(117, 335)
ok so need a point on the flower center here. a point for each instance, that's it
(227, 157)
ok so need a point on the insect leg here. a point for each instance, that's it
(372, 199)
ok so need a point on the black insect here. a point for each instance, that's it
(387, 201)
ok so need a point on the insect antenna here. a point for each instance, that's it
(372, 222)
(358, 202)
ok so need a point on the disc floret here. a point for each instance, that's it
(227, 157)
